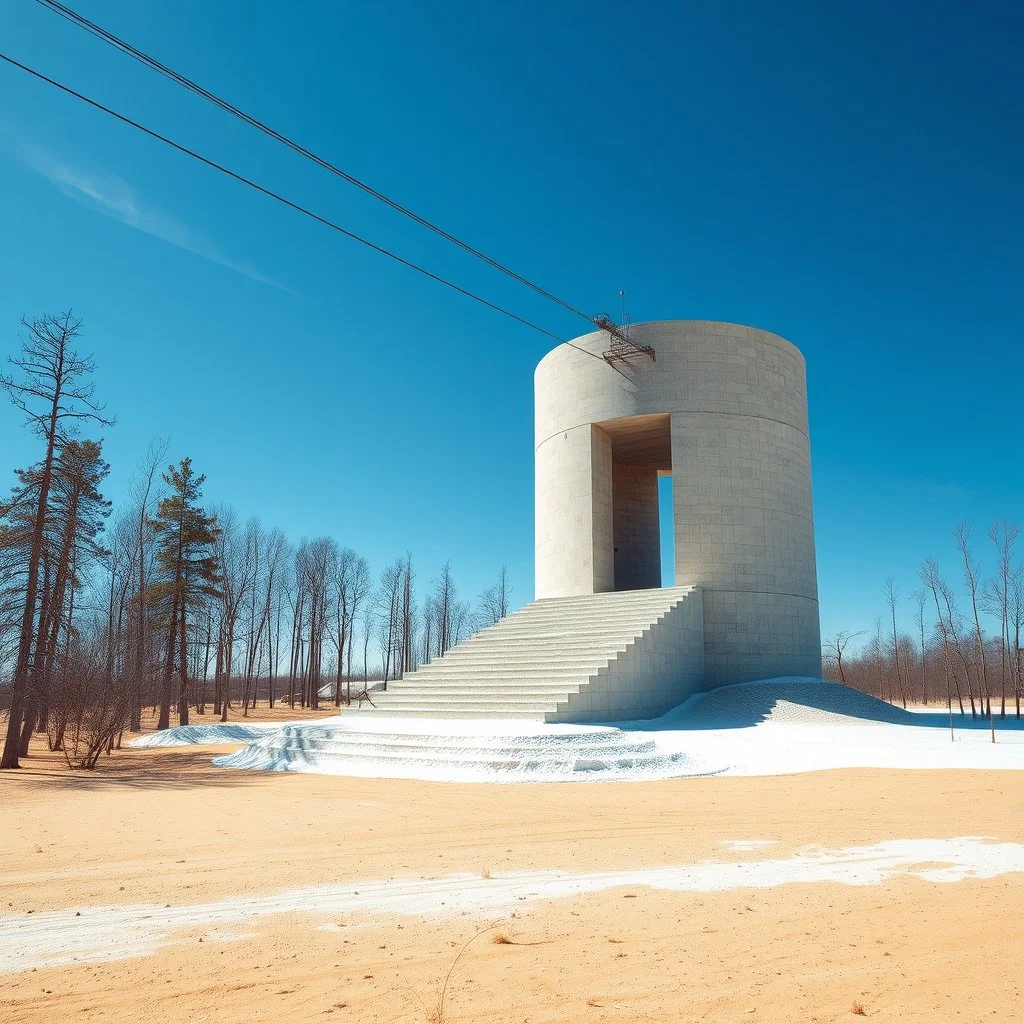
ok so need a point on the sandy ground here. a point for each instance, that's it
(163, 827)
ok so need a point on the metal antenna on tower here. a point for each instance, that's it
(623, 346)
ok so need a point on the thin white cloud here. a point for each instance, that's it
(114, 197)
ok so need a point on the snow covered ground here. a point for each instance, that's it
(490, 751)
(770, 727)
(780, 748)
(778, 727)
(215, 732)
(93, 934)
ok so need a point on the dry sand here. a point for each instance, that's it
(162, 826)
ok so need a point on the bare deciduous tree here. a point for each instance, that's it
(835, 649)
(891, 597)
(962, 535)
(494, 601)
(997, 598)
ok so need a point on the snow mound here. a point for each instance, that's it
(221, 732)
(792, 699)
(565, 755)
(771, 727)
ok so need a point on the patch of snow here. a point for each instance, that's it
(56, 937)
(802, 700)
(783, 748)
(743, 845)
(794, 724)
(770, 727)
(212, 733)
(543, 754)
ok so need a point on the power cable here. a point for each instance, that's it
(277, 196)
(151, 62)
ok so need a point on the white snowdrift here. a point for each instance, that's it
(800, 700)
(383, 748)
(214, 732)
(97, 934)
(783, 726)
(771, 727)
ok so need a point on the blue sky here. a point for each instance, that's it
(847, 175)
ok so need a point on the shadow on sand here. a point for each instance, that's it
(161, 768)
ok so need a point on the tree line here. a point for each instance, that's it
(169, 604)
(964, 649)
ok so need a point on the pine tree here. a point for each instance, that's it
(77, 514)
(55, 400)
(188, 571)
(17, 524)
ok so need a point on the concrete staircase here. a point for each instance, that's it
(599, 657)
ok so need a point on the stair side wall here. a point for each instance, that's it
(654, 674)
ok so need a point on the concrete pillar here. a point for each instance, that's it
(574, 513)
(602, 512)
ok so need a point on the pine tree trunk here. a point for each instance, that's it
(164, 721)
(19, 682)
(183, 677)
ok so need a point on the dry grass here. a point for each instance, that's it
(858, 1009)
(501, 939)
(438, 1014)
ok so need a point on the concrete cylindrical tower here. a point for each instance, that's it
(723, 408)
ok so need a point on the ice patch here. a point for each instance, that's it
(54, 938)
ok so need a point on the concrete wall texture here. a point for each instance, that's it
(723, 408)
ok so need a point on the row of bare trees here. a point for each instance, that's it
(964, 647)
(170, 605)
(412, 634)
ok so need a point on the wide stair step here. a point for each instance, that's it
(543, 661)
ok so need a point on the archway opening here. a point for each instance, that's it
(641, 450)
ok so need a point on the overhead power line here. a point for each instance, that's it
(278, 197)
(151, 62)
